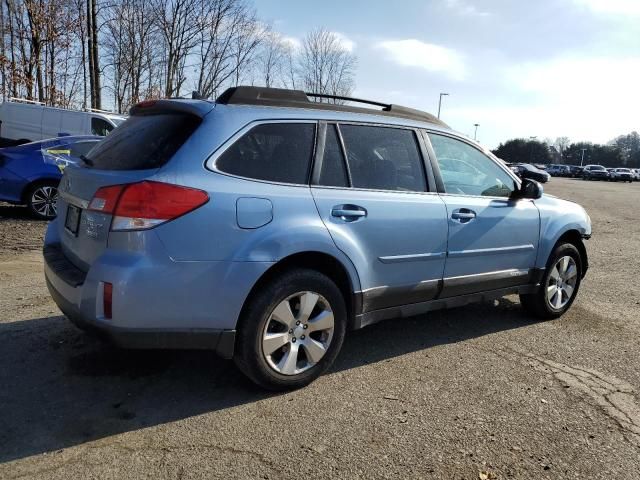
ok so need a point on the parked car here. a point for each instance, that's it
(30, 173)
(595, 172)
(265, 226)
(621, 175)
(23, 122)
(526, 170)
(559, 170)
(636, 173)
(576, 171)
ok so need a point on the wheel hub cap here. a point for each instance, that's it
(298, 333)
(562, 282)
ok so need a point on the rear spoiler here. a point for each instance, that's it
(198, 108)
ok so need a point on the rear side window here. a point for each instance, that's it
(333, 172)
(143, 142)
(275, 152)
(383, 158)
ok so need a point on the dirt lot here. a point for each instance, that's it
(476, 392)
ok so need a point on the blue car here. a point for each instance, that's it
(265, 226)
(30, 173)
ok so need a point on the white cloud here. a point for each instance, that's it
(345, 41)
(616, 7)
(293, 42)
(464, 8)
(430, 57)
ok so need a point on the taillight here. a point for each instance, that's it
(138, 206)
(107, 300)
(106, 198)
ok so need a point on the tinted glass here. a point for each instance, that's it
(276, 152)
(333, 172)
(100, 127)
(143, 142)
(81, 148)
(466, 170)
(383, 158)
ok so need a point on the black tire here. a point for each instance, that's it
(36, 192)
(537, 303)
(249, 355)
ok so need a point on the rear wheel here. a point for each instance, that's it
(42, 198)
(559, 285)
(291, 331)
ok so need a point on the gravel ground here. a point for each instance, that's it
(480, 392)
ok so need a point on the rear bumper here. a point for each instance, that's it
(221, 341)
(157, 302)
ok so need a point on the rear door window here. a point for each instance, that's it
(143, 142)
(383, 158)
(100, 127)
(274, 152)
(333, 172)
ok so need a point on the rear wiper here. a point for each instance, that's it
(86, 160)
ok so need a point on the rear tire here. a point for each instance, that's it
(291, 331)
(559, 285)
(42, 198)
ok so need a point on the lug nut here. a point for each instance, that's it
(293, 340)
(291, 331)
(302, 337)
(298, 322)
(305, 326)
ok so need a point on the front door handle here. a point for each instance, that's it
(463, 215)
(348, 213)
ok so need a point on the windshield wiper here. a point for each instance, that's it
(86, 160)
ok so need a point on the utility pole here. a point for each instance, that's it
(475, 133)
(582, 160)
(440, 102)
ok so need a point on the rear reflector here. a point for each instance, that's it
(107, 299)
(146, 204)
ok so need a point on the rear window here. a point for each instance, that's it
(143, 142)
(275, 152)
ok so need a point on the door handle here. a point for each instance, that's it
(348, 213)
(463, 215)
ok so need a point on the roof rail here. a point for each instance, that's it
(25, 100)
(280, 97)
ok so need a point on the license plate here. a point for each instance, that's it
(73, 219)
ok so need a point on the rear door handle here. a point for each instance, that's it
(348, 213)
(463, 215)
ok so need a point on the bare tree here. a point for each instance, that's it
(179, 27)
(326, 65)
(561, 144)
(274, 60)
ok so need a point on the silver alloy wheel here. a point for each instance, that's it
(298, 333)
(562, 282)
(43, 200)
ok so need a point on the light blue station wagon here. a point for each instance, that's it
(265, 226)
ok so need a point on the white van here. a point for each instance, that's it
(25, 121)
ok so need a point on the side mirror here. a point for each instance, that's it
(530, 189)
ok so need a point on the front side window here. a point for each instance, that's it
(383, 158)
(275, 152)
(465, 170)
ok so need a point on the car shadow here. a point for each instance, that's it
(61, 387)
(16, 212)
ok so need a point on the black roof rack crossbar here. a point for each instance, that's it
(385, 106)
(280, 97)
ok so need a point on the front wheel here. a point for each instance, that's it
(291, 331)
(559, 285)
(41, 200)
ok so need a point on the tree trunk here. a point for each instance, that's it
(96, 56)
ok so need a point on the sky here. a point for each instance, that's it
(519, 68)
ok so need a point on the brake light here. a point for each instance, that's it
(143, 205)
(105, 199)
